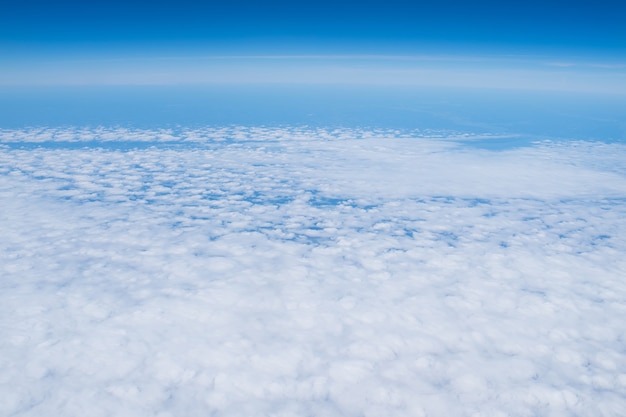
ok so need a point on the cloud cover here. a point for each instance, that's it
(298, 271)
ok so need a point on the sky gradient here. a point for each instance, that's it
(529, 24)
(572, 46)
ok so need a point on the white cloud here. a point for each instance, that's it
(256, 271)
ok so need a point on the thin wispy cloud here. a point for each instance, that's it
(444, 71)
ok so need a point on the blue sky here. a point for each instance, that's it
(572, 25)
(575, 45)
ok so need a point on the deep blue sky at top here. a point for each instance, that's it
(285, 26)
(565, 45)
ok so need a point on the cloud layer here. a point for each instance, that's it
(291, 271)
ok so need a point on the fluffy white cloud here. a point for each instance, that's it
(292, 271)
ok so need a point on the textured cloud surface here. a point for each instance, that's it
(256, 271)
